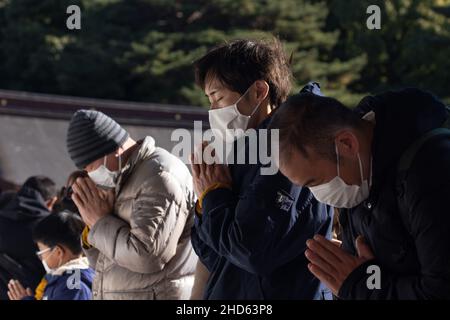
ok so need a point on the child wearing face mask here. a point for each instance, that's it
(68, 274)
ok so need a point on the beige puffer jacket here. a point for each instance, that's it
(143, 250)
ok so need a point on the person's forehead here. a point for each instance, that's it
(94, 165)
(295, 160)
(213, 85)
(41, 246)
(302, 165)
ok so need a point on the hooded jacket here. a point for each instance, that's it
(18, 258)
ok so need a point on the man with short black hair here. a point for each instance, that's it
(18, 260)
(386, 165)
(250, 228)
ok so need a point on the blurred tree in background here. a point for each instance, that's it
(411, 49)
(142, 50)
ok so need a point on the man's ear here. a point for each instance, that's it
(262, 90)
(347, 143)
(61, 249)
(51, 202)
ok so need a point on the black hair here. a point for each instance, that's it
(307, 119)
(44, 185)
(64, 201)
(238, 64)
(61, 228)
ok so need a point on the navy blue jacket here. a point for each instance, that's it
(62, 287)
(252, 238)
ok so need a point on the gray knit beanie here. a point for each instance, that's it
(92, 135)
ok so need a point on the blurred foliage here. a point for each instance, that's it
(411, 49)
(142, 50)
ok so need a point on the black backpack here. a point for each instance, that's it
(408, 156)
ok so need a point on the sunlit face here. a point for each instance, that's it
(255, 101)
(220, 96)
(316, 169)
(112, 163)
(307, 171)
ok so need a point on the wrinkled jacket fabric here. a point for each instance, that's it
(143, 250)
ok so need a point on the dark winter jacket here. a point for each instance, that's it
(18, 258)
(252, 238)
(406, 219)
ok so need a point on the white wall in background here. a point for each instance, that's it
(32, 146)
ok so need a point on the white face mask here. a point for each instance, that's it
(224, 121)
(337, 193)
(44, 263)
(104, 177)
(47, 268)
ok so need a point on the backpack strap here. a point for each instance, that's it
(408, 156)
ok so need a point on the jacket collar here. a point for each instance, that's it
(144, 151)
(147, 147)
(75, 264)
